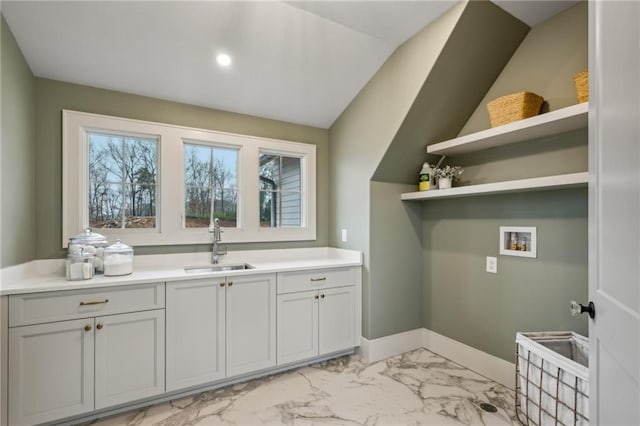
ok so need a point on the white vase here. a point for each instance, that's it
(444, 183)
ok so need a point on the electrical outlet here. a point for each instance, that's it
(343, 235)
(492, 264)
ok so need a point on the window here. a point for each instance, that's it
(159, 184)
(122, 181)
(280, 191)
(210, 175)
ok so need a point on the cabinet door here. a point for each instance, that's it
(195, 333)
(129, 360)
(297, 326)
(337, 319)
(251, 323)
(50, 371)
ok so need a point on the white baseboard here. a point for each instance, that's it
(387, 346)
(490, 366)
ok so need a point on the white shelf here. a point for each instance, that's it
(521, 185)
(551, 123)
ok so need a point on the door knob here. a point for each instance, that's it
(577, 309)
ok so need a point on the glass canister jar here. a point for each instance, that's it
(118, 259)
(80, 266)
(89, 243)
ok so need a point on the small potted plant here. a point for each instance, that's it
(446, 175)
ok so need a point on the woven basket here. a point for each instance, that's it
(513, 107)
(582, 85)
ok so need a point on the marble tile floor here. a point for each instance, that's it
(416, 388)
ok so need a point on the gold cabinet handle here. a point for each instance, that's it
(230, 283)
(221, 284)
(318, 279)
(99, 326)
(316, 296)
(322, 296)
(95, 302)
(87, 328)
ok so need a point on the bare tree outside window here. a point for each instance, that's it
(211, 184)
(123, 184)
(280, 191)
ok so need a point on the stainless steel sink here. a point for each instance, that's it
(216, 268)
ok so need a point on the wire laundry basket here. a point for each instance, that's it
(552, 379)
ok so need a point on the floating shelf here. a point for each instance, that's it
(548, 124)
(571, 180)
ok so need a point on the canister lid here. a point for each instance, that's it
(89, 238)
(119, 247)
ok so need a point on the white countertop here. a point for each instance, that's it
(49, 275)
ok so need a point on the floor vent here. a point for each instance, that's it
(489, 408)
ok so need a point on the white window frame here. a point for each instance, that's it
(170, 228)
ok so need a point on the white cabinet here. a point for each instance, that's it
(50, 371)
(297, 326)
(251, 323)
(63, 368)
(71, 352)
(318, 322)
(336, 325)
(195, 332)
(129, 357)
(219, 328)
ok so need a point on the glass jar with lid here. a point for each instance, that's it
(118, 259)
(89, 243)
(80, 266)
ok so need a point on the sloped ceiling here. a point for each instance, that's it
(466, 68)
(296, 61)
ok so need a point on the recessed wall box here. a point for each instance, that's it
(518, 241)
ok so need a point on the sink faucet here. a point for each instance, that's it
(216, 252)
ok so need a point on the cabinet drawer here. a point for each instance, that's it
(63, 305)
(291, 282)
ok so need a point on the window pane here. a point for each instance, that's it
(268, 216)
(226, 206)
(290, 207)
(105, 205)
(122, 181)
(280, 191)
(140, 206)
(225, 167)
(197, 166)
(105, 158)
(197, 207)
(210, 170)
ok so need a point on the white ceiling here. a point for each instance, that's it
(296, 61)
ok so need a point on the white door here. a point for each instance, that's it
(614, 211)
(129, 360)
(337, 319)
(297, 326)
(195, 332)
(50, 371)
(251, 323)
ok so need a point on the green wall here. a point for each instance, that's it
(360, 137)
(18, 144)
(54, 96)
(485, 310)
(423, 92)
(396, 260)
(545, 63)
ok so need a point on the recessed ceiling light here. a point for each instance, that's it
(223, 60)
